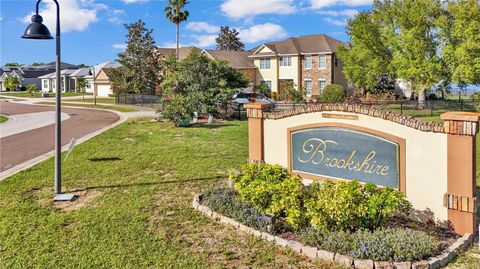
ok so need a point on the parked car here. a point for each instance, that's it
(242, 98)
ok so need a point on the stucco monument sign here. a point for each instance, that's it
(343, 153)
(432, 163)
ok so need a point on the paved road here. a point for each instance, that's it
(19, 148)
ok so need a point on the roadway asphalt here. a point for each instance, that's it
(21, 147)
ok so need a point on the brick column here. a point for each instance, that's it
(255, 113)
(460, 199)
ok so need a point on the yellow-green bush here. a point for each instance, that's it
(272, 189)
(333, 93)
(348, 206)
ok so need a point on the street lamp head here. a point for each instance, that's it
(37, 30)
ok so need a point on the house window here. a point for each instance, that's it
(322, 61)
(286, 61)
(267, 82)
(308, 62)
(308, 87)
(45, 84)
(321, 85)
(265, 63)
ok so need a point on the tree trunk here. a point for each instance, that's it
(177, 51)
(421, 99)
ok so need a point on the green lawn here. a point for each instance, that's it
(3, 118)
(105, 100)
(39, 94)
(141, 179)
(116, 108)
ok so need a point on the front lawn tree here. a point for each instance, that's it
(82, 86)
(11, 82)
(174, 13)
(139, 57)
(31, 89)
(228, 39)
(201, 85)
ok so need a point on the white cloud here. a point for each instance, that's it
(350, 13)
(76, 15)
(317, 4)
(116, 15)
(204, 41)
(335, 22)
(202, 27)
(261, 32)
(119, 46)
(134, 1)
(238, 9)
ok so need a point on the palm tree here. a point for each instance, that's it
(31, 89)
(82, 85)
(11, 82)
(176, 15)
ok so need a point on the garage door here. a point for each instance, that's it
(103, 90)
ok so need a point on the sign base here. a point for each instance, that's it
(64, 197)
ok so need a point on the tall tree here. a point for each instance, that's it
(415, 41)
(461, 30)
(139, 57)
(228, 39)
(175, 14)
(368, 57)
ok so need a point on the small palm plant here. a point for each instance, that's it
(31, 89)
(81, 86)
(11, 82)
(175, 14)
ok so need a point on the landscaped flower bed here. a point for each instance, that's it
(347, 222)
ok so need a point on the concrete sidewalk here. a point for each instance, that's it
(26, 122)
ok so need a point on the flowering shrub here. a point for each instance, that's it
(272, 189)
(225, 201)
(382, 244)
(349, 206)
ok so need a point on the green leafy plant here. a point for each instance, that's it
(271, 189)
(333, 93)
(31, 89)
(384, 244)
(349, 206)
(178, 109)
(226, 202)
(294, 95)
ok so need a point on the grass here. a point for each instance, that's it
(3, 118)
(39, 94)
(142, 178)
(104, 100)
(116, 108)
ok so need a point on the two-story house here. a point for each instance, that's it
(307, 62)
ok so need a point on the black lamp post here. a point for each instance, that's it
(37, 30)
(91, 72)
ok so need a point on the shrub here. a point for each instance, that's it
(333, 93)
(178, 109)
(349, 206)
(381, 245)
(225, 201)
(271, 189)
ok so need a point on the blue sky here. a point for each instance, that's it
(93, 32)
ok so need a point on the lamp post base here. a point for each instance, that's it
(64, 197)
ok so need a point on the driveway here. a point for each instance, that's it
(20, 147)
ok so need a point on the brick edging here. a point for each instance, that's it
(312, 252)
(369, 110)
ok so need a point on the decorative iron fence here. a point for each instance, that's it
(153, 101)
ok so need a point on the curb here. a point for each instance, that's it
(312, 252)
(7, 173)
